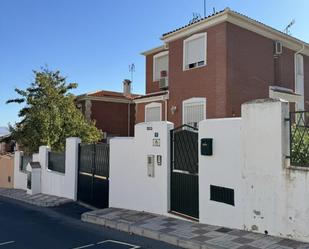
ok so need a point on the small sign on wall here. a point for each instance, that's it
(156, 142)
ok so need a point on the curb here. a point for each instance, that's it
(144, 232)
(19, 197)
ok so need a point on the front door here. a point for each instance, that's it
(184, 172)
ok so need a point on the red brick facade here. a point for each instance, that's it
(240, 67)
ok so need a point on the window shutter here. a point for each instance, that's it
(194, 113)
(161, 64)
(153, 114)
(195, 50)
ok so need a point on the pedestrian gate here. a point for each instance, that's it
(184, 171)
(93, 174)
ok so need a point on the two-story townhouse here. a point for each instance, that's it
(210, 67)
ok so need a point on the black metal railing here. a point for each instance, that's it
(24, 160)
(56, 161)
(299, 138)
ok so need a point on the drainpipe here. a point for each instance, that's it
(295, 74)
(165, 110)
(129, 118)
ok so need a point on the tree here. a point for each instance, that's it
(50, 114)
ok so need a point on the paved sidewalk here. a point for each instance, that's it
(186, 234)
(41, 200)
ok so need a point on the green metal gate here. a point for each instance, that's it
(184, 172)
(93, 174)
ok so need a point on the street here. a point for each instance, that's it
(30, 227)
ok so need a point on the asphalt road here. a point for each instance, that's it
(25, 226)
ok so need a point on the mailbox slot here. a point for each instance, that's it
(206, 147)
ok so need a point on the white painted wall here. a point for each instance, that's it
(59, 184)
(20, 178)
(53, 183)
(250, 157)
(130, 186)
(222, 169)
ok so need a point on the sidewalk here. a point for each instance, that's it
(41, 200)
(185, 234)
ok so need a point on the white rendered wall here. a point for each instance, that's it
(130, 186)
(222, 169)
(59, 184)
(20, 178)
(250, 157)
(53, 183)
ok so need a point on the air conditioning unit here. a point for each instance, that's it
(278, 48)
(163, 83)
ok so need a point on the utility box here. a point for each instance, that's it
(206, 147)
(33, 178)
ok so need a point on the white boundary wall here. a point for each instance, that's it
(130, 186)
(250, 157)
(53, 183)
(222, 169)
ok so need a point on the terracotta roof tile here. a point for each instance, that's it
(112, 94)
(232, 11)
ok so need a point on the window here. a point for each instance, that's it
(160, 63)
(193, 111)
(153, 112)
(194, 51)
(299, 79)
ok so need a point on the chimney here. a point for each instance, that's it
(127, 87)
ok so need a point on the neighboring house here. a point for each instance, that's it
(6, 158)
(210, 67)
(6, 170)
(6, 143)
(113, 112)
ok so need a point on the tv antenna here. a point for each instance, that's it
(204, 8)
(132, 70)
(196, 17)
(287, 28)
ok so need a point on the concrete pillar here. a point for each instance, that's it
(71, 165)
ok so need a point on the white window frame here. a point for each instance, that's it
(193, 37)
(151, 105)
(192, 101)
(155, 57)
(300, 105)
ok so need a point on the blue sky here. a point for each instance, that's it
(93, 42)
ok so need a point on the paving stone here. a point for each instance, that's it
(214, 234)
(239, 233)
(189, 244)
(166, 230)
(151, 234)
(243, 240)
(199, 231)
(169, 238)
(202, 238)
(254, 236)
(265, 242)
(136, 230)
(276, 246)
(225, 242)
(224, 230)
(123, 227)
(247, 247)
(187, 234)
(290, 243)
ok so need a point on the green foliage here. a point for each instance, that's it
(50, 114)
(300, 145)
